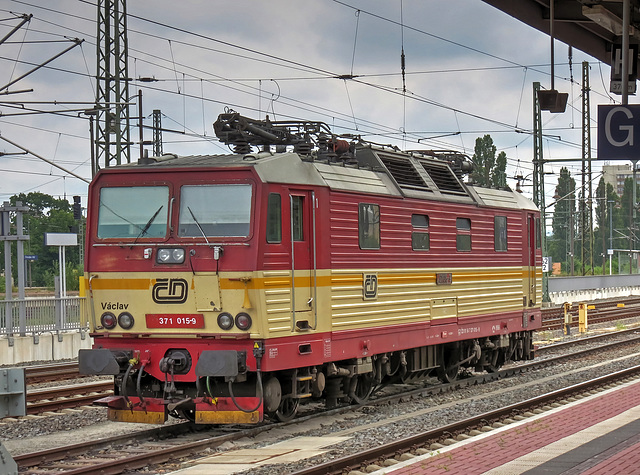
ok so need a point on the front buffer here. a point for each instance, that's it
(202, 385)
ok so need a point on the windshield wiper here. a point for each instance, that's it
(198, 224)
(146, 227)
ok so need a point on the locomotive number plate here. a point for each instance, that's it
(172, 320)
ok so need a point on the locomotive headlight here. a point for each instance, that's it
(125, 320)
(163, 255)
(243, 321)
(173, 255)
(108, 320)
(225, 321)
(178, 255)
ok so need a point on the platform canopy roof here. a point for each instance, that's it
(590, 26)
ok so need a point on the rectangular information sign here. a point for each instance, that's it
(173, 320)
(619, 132)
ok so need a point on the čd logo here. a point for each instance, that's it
(170, 291)
(370, 286)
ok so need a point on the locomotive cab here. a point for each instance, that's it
(169, 273)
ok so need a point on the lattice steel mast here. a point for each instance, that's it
(586, 208)
(112, 93)
(538, 181)
(157, 133)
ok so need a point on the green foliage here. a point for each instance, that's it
(46, 215)
(40, 204)
(625, 225)
(489, 171)
(564, 225)
(607, 219)
(73, 276)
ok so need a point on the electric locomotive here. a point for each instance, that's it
(229, 288)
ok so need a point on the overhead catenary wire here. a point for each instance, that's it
(43, 159)
(292, 101)
(85, 2)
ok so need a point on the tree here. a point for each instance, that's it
(40, 203)
(606, 203)
(563, 224)
(489, 171)
(628, 226)
(46, 215)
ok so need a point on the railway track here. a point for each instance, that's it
(424, 442)
(65, 397)
(51, 372)
(603, 311)
(118, 455)
(55, 398)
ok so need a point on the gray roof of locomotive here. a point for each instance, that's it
(372, 174)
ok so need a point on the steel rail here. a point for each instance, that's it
(553, 318)
(400, 446)
(165, 453)
(51, 372)
(68, 391)
(66, 397)
(588, 339)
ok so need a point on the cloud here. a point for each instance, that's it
(469, 71)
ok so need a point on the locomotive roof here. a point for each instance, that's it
(377, 171)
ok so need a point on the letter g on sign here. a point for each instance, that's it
(627, 128)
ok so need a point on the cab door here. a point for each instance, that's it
(530, 280)
(302, 227)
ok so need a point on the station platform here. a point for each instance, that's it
(598, 434)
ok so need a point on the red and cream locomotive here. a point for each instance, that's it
(227, 288)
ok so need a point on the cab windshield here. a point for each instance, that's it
(222, 210)
(133, 212)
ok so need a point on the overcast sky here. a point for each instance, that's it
(469, 72)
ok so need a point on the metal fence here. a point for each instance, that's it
(35, 315)
(590, 282)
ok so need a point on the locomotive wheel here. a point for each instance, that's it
(448, 370)
(188, 414)
(448, 375)
(497, 360)
(363, 390)
(287, 409)
(185, 414)
(272, 395)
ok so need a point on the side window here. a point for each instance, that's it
(420, 234)
(463, 234)
(538, 234)
(297, 225)
(500, 233)
(274, 218)
(369, 226)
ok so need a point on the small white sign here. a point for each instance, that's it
(60, 239)
(616, 87)
(546, 264)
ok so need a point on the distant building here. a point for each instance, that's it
(615, 175)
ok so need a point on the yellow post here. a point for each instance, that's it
(582, 317)
(83, 305)
(567, 319)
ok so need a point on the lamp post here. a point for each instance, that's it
(610, 202)
(91, 114)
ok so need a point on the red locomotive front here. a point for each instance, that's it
(224, 288)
